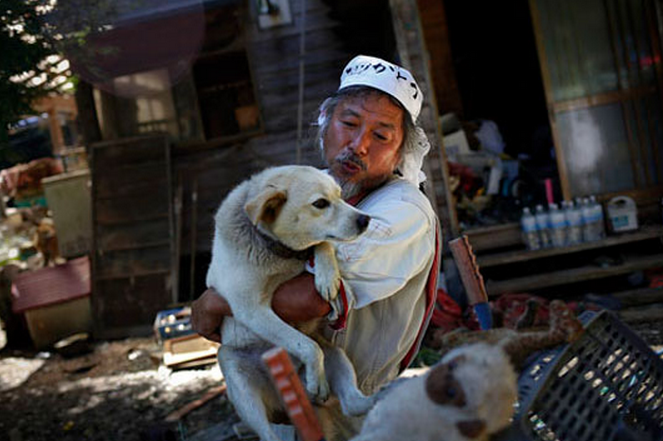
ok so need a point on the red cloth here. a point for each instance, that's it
(27, 177)
(431, 290)
(512, 306)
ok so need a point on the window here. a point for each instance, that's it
(225, 95)
(602, 64)
(212, 99)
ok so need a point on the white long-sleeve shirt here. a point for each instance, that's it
(385, 272)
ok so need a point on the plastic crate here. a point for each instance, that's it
(606, 386)
(172, 323)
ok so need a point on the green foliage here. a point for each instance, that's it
(24, 46)
(425, 357)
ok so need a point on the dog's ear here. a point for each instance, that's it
(472, 428)
(266, 205)
(441, 384)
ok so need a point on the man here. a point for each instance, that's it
(375, 150)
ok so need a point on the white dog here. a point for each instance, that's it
(469, 395)
(264, 232)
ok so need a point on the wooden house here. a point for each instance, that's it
(187, 99)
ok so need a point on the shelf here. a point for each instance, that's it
(573, 275)
(646, 232)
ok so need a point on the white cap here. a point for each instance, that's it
(389, 78)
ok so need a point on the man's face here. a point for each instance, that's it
(362, 142)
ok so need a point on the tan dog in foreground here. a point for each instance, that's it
(264, 231)
(468, 395)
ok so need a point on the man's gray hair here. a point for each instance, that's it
(328, 106)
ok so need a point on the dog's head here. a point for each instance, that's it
(301, 206)
(45, 230)
(475, 389)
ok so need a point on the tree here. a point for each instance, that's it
(25, 48)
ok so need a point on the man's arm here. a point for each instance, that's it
(294, 301)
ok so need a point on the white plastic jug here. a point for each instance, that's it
(622, 214)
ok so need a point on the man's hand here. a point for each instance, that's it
(294, 301)
(207, 314)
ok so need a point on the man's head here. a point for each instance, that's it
(367, 128)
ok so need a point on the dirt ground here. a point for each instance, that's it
(119, 391)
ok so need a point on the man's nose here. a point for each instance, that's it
(361, 142)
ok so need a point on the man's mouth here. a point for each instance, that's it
(350, 167)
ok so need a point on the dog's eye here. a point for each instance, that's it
(321, 203)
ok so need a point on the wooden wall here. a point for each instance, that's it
(132, 257)
(336, 31)
(436, 35)
(274, 55)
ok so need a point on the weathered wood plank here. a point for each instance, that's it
(127, 263)
(129, 151)
(132, 235)
(132, 301)
(120, 187)
(135, 208)
(637, 297)
(132, 221)
(411, 48)
(649, 313)
(126, 185)
(646, 232)
(573, 275)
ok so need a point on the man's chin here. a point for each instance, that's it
(349, 189)
(352, 187)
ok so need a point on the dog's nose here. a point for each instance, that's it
(362, 222)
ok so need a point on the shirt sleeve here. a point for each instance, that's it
(397, 245)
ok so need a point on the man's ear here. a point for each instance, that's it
(266, 205)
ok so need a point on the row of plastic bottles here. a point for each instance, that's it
(570, 224)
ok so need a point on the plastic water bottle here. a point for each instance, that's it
(529, 230)
(573, 223)
(557, 225)
(597, 217)
(589, 225)
(543, 225)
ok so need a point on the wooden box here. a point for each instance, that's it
(55, 301)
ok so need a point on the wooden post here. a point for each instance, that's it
(414, 57)
(87, 113)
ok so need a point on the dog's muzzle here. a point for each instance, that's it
(362, 222)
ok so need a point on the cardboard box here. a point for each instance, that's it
(189, 351)
(54, 300)
(455, 145)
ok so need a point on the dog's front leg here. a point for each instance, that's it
(343, 382)
(327, 276)
(269, 326)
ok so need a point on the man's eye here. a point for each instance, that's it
(381, 137)
(321, 203)
(349, 123)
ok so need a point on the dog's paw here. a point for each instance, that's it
(358, 406)
(327, 284)
(327, 275)
(317, 388)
